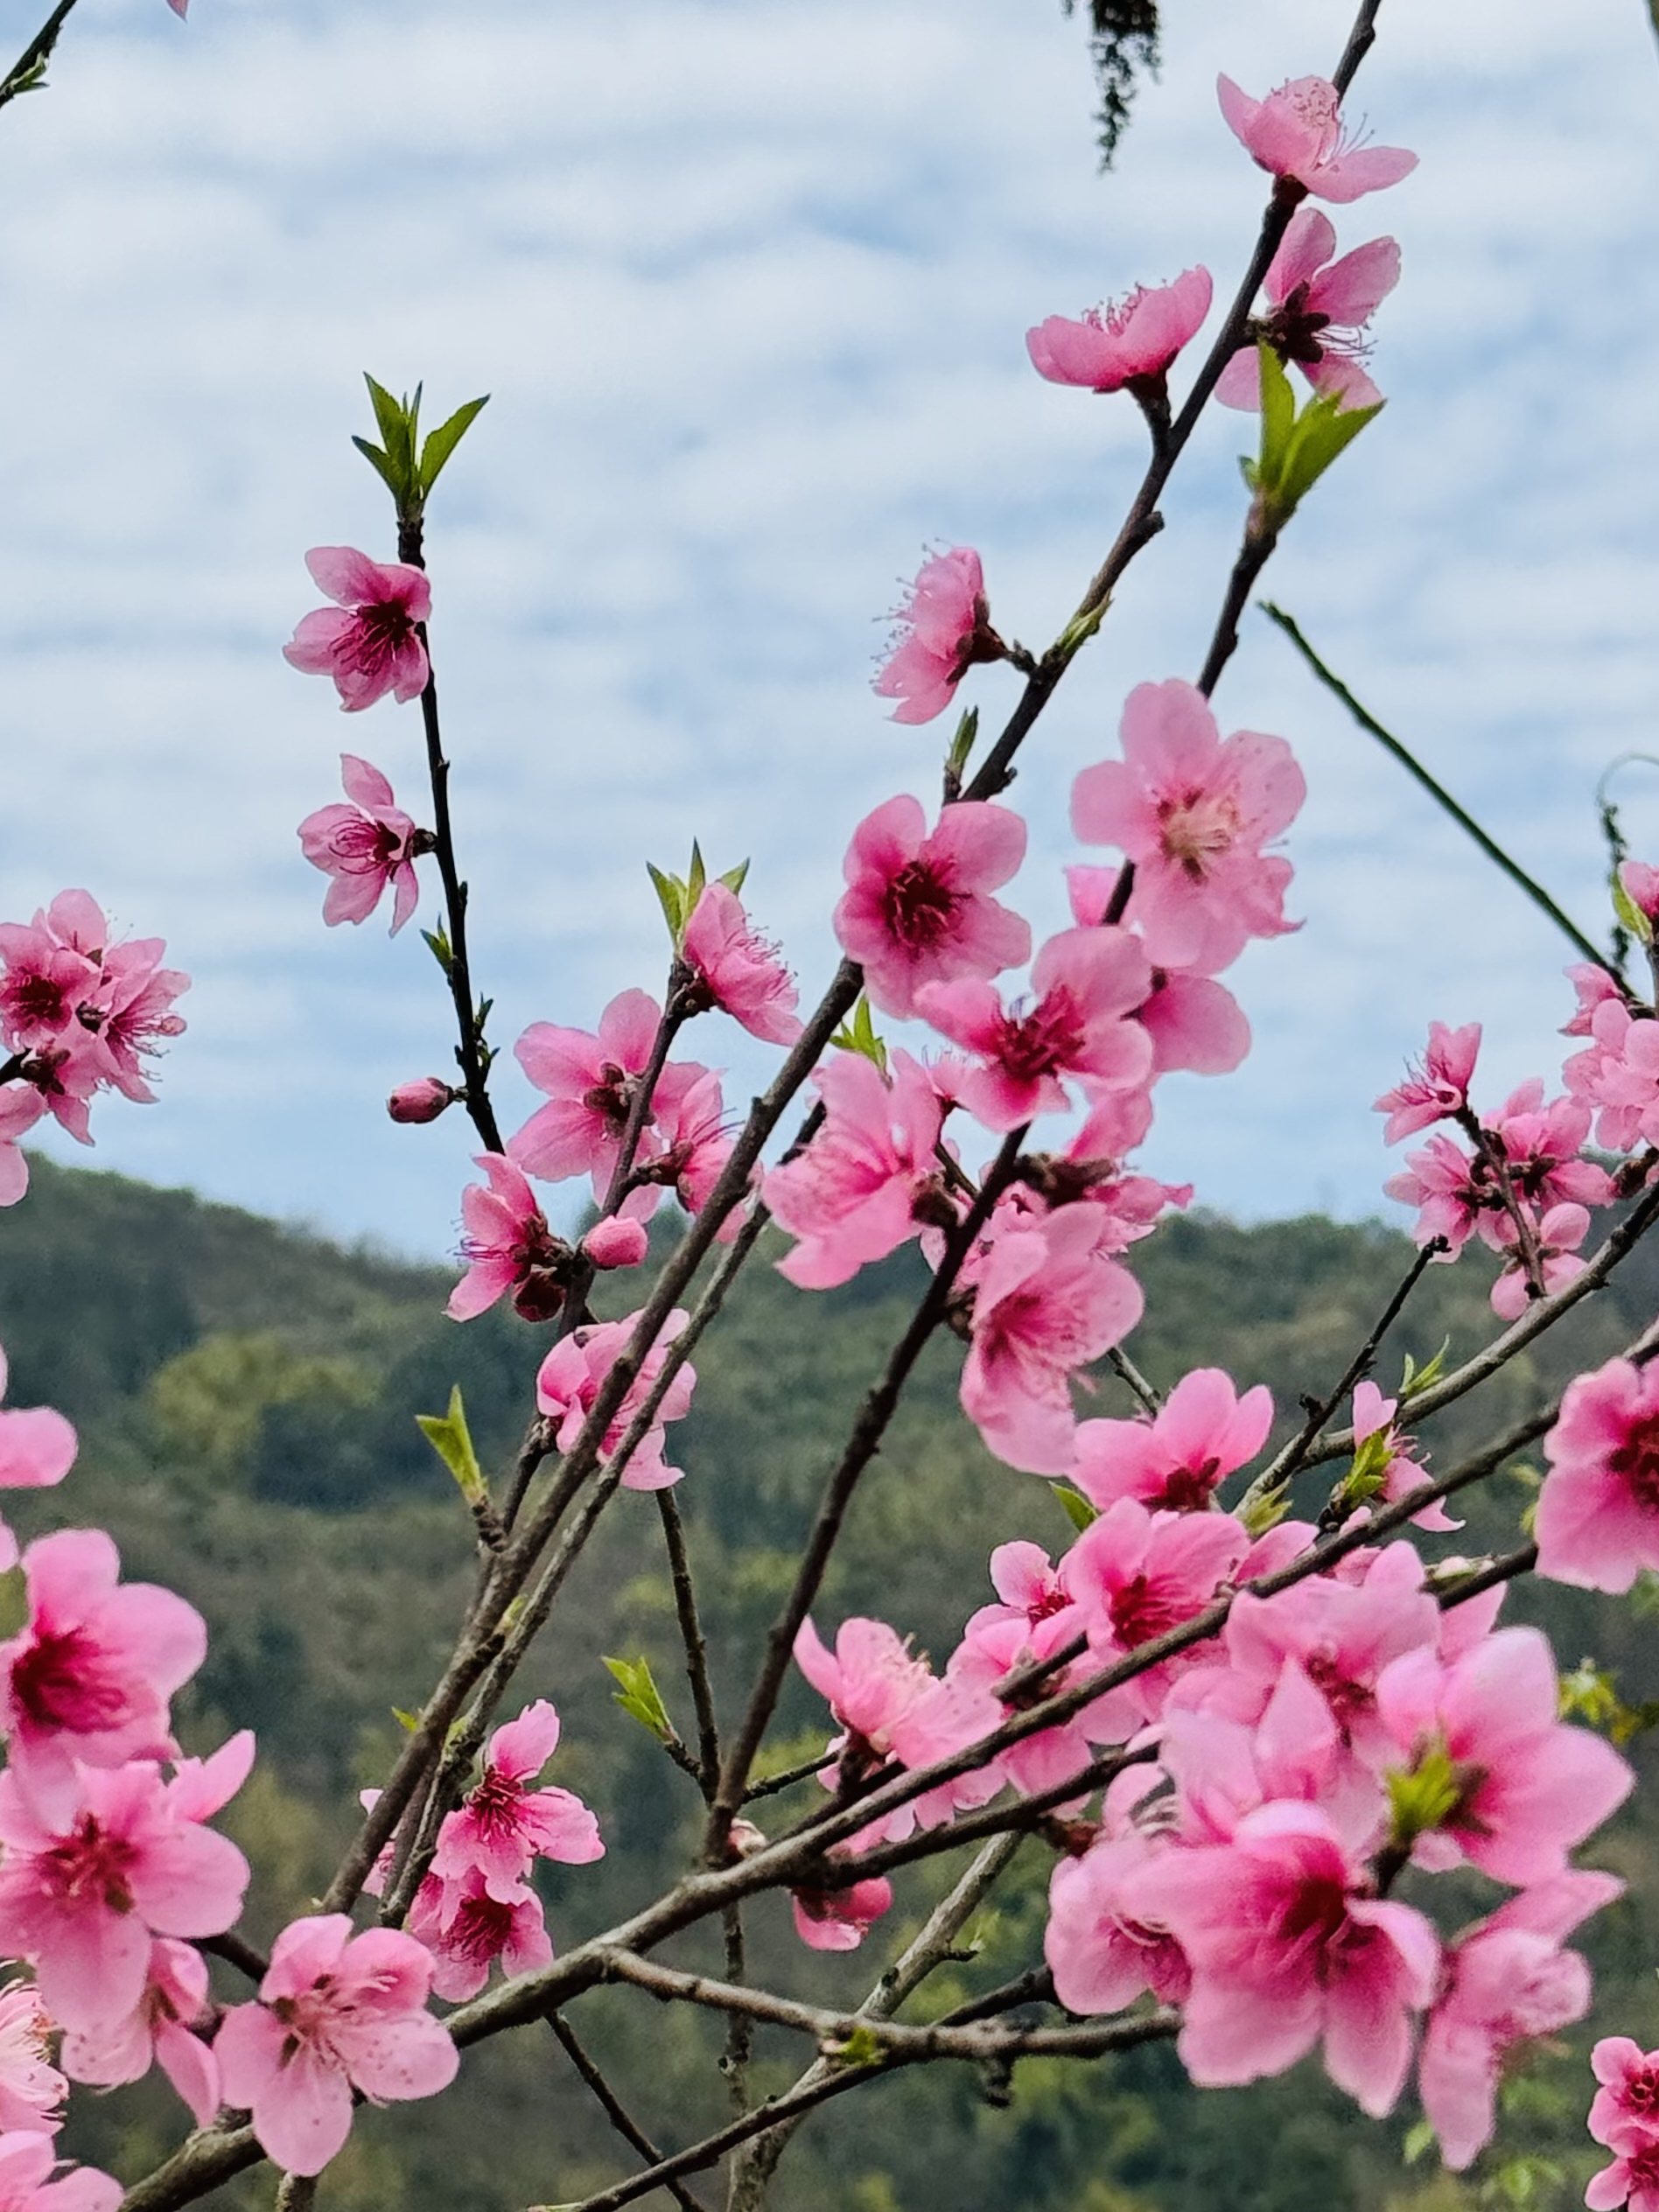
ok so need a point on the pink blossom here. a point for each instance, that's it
(1507, 1982)
(1048, 1298)
(1598, 1517)
(508, 1246)
(1320, 314)
(505, 1823)
(944, 627)
(1438, 1090)
(1618, 1074)
(1193, 815)
(590, 1080)
(157, 2031)
(337, 2012)
(1529, 1788)
(1101, 1957)
(1399, 1473)
(1135, 1575)
(568, 1381)
(688, 1151)
(86, 1681)
(423, 1100)
(80, 1896)
(917, 908)
(1633, 2179)
(1203, 1432)
(1130, 342)
(1626, 2105)
(37, 1447)
(1036, 1619)
(838, 1919)
(737, 970)
(1593, 987)
(467, 1926)
(366, 847)
(133, 1014)
(21, 1107)
(1451, 1192)
(31, 2090)
(617, 1242)
(1194, 1021)
(1225, 1767)
(1297, 132)
(869, 1177)
(369, 642)
(1086, 986)
(27, 2165)
(1557, 1235)
(1639, 883)
(42, 984)
(888, 1700)
(1286, 1949)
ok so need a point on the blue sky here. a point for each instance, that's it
(748, 280)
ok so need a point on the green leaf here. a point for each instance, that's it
(696, 881)
(861, 2047)
(961, 744)
(444, 440)
(639, 1698)
(858, 1035)
(1424, 1796)
(734, 879)
(14, 1602)
(1079, 630)
(1630, 913)
(1075, 1506)
(452, 1440)
(1279, 419)
(388, 413)
(1419, 2141)
(410, 1722)
(1414, 1379)
(1323, 430)
(671, 898)
(437, 940)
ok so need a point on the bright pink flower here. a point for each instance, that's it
(1598, 1518)
(337, 2012)
(886, 1698)
(466, 1926)
(591, 1081)
(80, 1897)
(1286, 1948)
(1127, 342)
(1541, 1144)
(1558, 1235)
(366, 847)
(158, 2032)
(917, 908)
(1452, 1192)
(508, 1246)
(852, 1196)
(1633, 2179)
(86, 1681)
(1036, 1618)
(423, 1100)
(1529, 1786)
(839, 1919)
(37, 1447)
(1135, 1575)
(944, 627)
(1618, 1074)
(1319, 314)
(1101, 1957)
(688, 1150)
(1194, 1021)
(1225, 1766)
(1437, 1091)
(31, 2090)
(132, 1013)
(1626, 2105)
(1048, 1298)
(1086, 986)
(1507, 1981)
(1400, 1474)
(1593, 987)
(1297, 132)
(1203, 1432)
(1193, 815)
(505, 1825)
(617, 1242)
(569, 1383)
(21, 1107)
(738, 970)
(42, 984)
(371, 645)
(27, 2164)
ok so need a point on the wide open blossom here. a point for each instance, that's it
(1438, 1089)
(1203, 1432)
(28, 2161)
(1101, 1957)
(1618, 1073)
(1194, 815)
(1127, 342)
(568, 1383)
(505, 1823)
(591, 1081)
(467, 1926)
(44, 983)
(737, 970)
(1626, 2108)
(1086, 987)
(508, 1246)
(1633, 2179)
(86, 1013)
(367, 847)
(369, 641)
(890, 1702)
(1320, 308)
(944, 628)
(1297, 132)
(31, 2090)
(88, 1680)
(917, 908)
(1598, 1517)
(851, 1196)
(156, 2032)
(1135, 1575)
(338, 2011)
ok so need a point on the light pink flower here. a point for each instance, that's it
(1618, 1074)
(37, 1447)
(423, 1100)
(21, 1107)
(590, 1080)
(505, 1823)
(1048, 1298)
(886, 1698)
(1438, 1090)
(1633, 2179)
(688, 1150)
(1320, 314)
(1286, 1949)
(569, 1381)
(839, 1919)
(132, 1013)
(87, 1681)
(617, 1242)
(851, 1196)
(27, 2164)
(1135, 1575)
(369, 641)
(1127, 342)
(1598, 1518)
(1593, 987)
(1529, 1787)
(508, 1246)
(1036, 1618)
(738, 970)
(1203, 1432)
(1400, 1474)
(1558, 1234)
(1507, 1981)
(337, 2012)
(31, 2090)
(1626, 2105)
(1101, 1957)
(1297, 132)
(1193, 815)
(157, 2031)
(366, 847)
(1086, 986)
(944, 627)
(467, 1926)
(917, 908)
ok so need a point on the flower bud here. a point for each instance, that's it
(421, 1101)
(616, 1242)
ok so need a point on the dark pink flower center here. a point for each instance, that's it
(1046, 1606)
(365, 847)
(1144, 1608)
(496, 1804)
(1348, 1699)
(1315, 1912)
(1293, 330)
(382, 631)
(480, 1930)
(1636, 1462)
(1187, 1489)
(92, 1867)
(919, 906)
(1641, 2092)
(37, 1002)
(1197, 829)
(611, 1096)
(1050, 1037)
(65, 1681)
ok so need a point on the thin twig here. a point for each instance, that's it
(772, 1783)
(692, 1636)
(615, 2111)
(1125, 1369)
(1487, 1577)
(27, 73)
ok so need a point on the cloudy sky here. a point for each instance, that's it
(748, 281)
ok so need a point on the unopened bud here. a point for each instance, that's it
(616, 1242)
(421, 1101)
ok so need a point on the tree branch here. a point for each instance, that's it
(615, 2111)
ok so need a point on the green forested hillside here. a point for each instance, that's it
(245, 1395)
